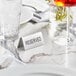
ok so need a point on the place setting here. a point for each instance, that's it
(29, 15)
(37, 36)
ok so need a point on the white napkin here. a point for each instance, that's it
(46, 49)
(44, 54)
(26, 14)
(27, 56)
(30, 28)
(40, 5)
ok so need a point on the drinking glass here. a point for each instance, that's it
(57, 33)
(64, 4)
(67, 4)
(10, 11)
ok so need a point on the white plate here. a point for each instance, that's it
(26, 15)
(37, 70)
(38, 4)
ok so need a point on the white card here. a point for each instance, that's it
(31, 41)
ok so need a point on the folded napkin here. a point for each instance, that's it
(27, 56)
(30, 28)
(26, 14)
(44, 54)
